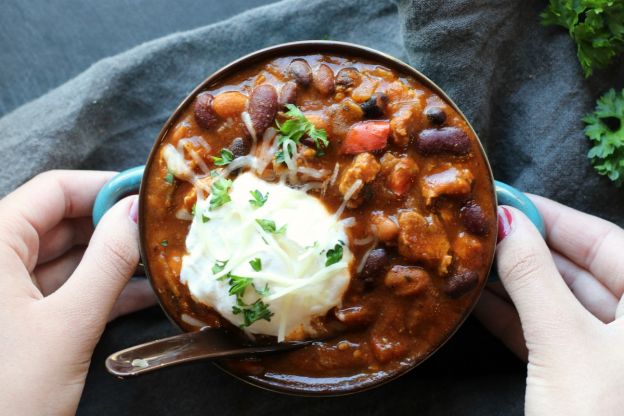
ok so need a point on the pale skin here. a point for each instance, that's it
(557, 307)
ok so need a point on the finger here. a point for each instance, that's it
(528, 272)
(502, 320)
(51, 275)
(596, 298)
(89, 294)
(66, 234)
(499, 290)
(41, 203)
(137, 295)
(591, 242)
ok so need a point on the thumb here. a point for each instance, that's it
(108, 262)
(528, 272)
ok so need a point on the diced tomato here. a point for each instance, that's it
(366, 136)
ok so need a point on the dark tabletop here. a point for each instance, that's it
(43, 44)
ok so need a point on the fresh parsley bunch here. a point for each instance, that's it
(597, 27)
(605, 129)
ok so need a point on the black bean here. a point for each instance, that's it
(445, 140)
(262, 107)
(436, 115)
(204, 114)
(375, 267)
(240, 146)
(288, 94)
(473, 218)
(348, 77)
(375, 107)
(460, 282)
(301, 71)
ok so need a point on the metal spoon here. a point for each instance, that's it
(207, 343)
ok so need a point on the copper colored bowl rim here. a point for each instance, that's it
(309, 47)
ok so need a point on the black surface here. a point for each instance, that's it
(43, 44)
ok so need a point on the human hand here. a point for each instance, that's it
(566, 320)
(56, 295)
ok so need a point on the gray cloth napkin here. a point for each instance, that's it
(518, 83)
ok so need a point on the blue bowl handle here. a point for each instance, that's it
(508, 195)
(122, 184)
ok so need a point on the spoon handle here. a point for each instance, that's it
(206, 343)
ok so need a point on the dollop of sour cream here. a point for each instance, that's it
(293, 280)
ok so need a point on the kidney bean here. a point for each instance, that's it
(262, 107)
(240, 146)
(324, 80)
(301, 71)
(436, 115)
(229, 104)
(375, 107)
(288, 94)
(204, 114)
(473, 218)
(375, 266)
(460, 282)
(445, 140)
(348, 77)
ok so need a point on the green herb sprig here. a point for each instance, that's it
(597, 27)
(334, 255)
(605, 129)
(225, 159)
(258, 199)
(293, 129)
(219, 193)
(270, 227)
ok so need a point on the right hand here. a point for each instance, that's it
(560, 309)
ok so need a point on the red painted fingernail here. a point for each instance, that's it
(134, 211)
(504, 223)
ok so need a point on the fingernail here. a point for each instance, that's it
(504, 223)
(134, 211)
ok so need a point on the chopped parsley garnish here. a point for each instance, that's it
(219, 193)
(252, 313)
(205, 218)
(238, 285)
(270, 227)
(605, 129)
(169, 178)
(334, 255)
(258, 199)
(293, 129)
(595, 25)
(164, 243)
(219, 266)
(225, 159)
(256, 264)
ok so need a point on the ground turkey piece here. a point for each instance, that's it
(423, 239)
(452, 182)
(363, 167)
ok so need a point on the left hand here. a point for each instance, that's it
(56, 295)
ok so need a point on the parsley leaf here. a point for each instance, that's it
(293, 130)
(270, 227)
(256, 264)
(595, 25)
(219, 266)
(169, 178)
(164, 243)
(605, 129)
(254, 312)
(219, 193)
(226, 157)
(334, 255)
(238, 285)
(258, 199)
